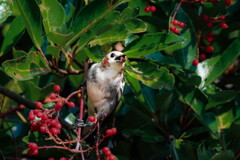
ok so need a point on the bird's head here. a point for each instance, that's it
(114, 58)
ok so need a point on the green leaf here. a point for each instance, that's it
(184, 148)
(221, 98)
(94, 53)
(59, 38)
(185, 52)
(54, 51)
(89, 16)
(151, 75)
(203, 152)
(54, 14)
(225, 155)
(70, 118)
(211, 69)
(13, 34)
(193, 97)
(210, 121)
(136, 88)
(225, 119)
(54, 21)
(31, 15)
(113, 34)
(5, 10)
(135, 25)
(26, 67)
(150, 43)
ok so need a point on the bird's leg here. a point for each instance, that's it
(81, 123)
(101, 115)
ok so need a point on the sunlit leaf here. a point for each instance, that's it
(151, 75)
(211, 69)
(150, 43)
(5, 10)
(90, 15)
(26, 67)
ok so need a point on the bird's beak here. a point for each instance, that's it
(121, 58)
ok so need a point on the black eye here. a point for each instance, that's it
(112, 55)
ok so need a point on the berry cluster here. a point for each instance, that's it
(42, 122)
(33, 149)
(107, 152)
(150, 9)
(176, 25)
(211, 21)
(111, 132)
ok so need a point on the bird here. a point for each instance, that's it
(105, 83)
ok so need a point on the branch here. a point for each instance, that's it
(16, 97)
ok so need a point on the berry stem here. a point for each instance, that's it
(72, 94)
(78, 145)
(178, 7)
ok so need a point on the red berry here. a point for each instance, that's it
(39, 115)
(31, 117)
(209, 49)
(172, 28)
(91, 118)
(32, 146)
(108, 132)
(222, 18)
(71, 104)
(35, 152)
(195, 62)
(206, 18)
(105, 149)
(108, 153)
(112, 157)
(176, 31)
(58, 106)
(209, 25)
(38, 104)
(147, 9)
(35, 111)
(54, 130)
(21, 106)
(210, 39)
(43, 129)
(52, 96)
(54, 122)
(202, 57)
(182, 25)
(58, 126)
(44, 117)
(203, 0)
(224, 25)
(32, 152)
(175, 22)
(57, 88)
(228, 2)
(34, 124)
(114, 131)
(153, 9)
(63, 158)
(51, 159)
